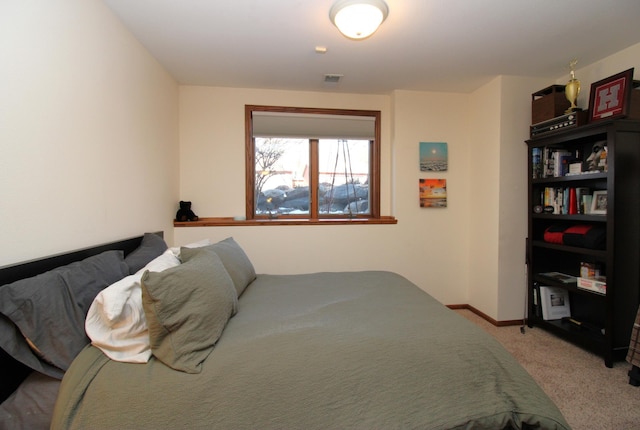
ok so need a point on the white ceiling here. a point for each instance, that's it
(431, 45)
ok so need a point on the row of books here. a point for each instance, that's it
(550, 162)
(567, 200)
(556, 162)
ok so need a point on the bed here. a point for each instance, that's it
(220, 347)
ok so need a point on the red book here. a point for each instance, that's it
(573, 201)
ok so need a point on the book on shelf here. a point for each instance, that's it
(573, 201)
(552, 161)
(537, 307)
(546, 161)
(597, 284)
(536, 162)
(560, 277)
(586, 203)
(555, 303)
(561, 160)
(581, 192)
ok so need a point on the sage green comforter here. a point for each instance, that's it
(351, 350)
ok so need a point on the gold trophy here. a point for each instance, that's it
(572, 89)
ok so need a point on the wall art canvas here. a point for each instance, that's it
(433, 156)
(433, 193)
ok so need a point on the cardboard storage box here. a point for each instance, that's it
(548, 103)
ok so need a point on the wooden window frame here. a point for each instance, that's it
(313, 217)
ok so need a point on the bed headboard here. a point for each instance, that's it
(13, 372)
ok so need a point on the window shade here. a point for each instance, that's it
(309, 126)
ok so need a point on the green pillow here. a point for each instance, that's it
(187, 308)
(234, 259)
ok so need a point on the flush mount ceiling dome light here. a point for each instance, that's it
(358, 19)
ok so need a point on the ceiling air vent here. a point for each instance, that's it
(332, 78)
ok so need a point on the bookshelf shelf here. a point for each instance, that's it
(588, 339)
(569, 236)
(571, 249)
(571, 287)
(587, 177)
(572, 217)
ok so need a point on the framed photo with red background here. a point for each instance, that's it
(611, 97)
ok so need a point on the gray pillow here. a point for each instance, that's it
(234, 259)
(42, 317)
(187, 308)
(30, 407)
(152, 246)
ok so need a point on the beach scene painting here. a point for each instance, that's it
(433, 193)
(433, 156)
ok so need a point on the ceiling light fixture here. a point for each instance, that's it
(358, 19)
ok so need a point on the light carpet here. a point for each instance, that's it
(589, 394)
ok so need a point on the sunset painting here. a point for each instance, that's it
(433, 193)
(433, 156)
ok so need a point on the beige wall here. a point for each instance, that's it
(515, 118)
(452, 253)
(88, 131)
(428, 246)
(212, 141)
(497, 216)
(484, 156)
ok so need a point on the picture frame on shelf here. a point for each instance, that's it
(555, 303)
(599, 203)
(611, 97)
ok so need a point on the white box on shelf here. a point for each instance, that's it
(597, 284)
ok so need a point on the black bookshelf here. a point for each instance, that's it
(607, 319)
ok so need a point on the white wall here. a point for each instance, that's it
(88, 130)
(515, 119)
(433, 241)
(483, 217)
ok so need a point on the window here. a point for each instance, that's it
(312, 163)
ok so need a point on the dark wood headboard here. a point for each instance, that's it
(12, 371)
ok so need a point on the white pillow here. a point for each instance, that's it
(198, 244)
(116, 322)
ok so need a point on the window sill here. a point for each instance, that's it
(230, 222)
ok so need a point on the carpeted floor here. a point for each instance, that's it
(590, 395)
